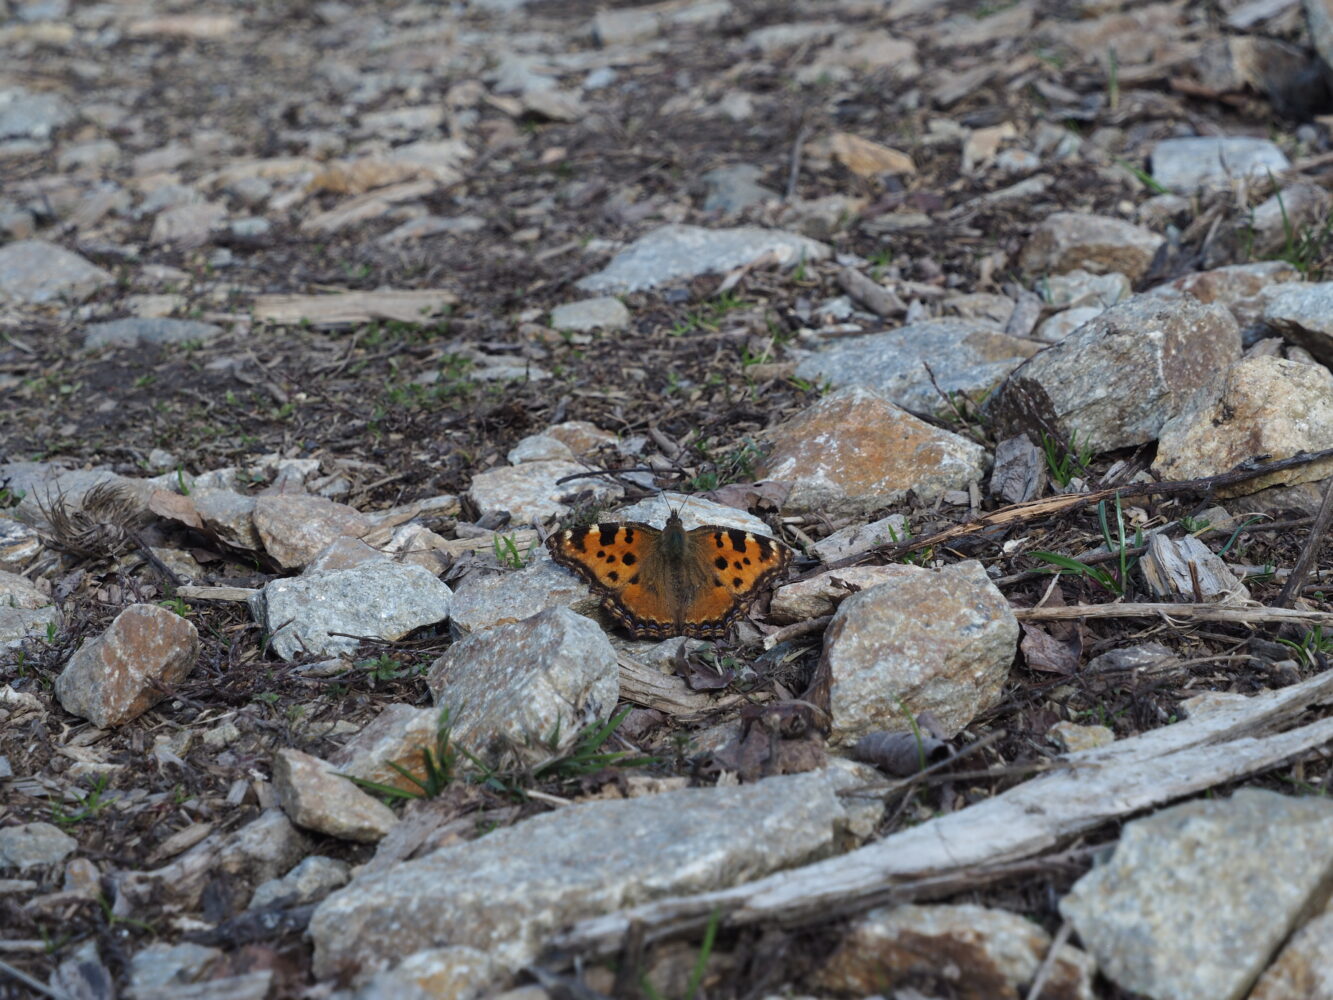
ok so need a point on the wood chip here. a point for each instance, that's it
(339, 309)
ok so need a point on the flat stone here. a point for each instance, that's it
(309, 882)
(19, 544)
(19, 592)
(1071, 737)
(161, 966)
(603, 313)
(532, 491)
(1118, 378)
(27, 115)
(129, 332)
(317, 798)
(1245, 289)
(1241, 871)
(962, 950)
(735, 188)
(1192, 164)
(966, 357)
(34, 845)
(18, 624)
(1066, 241)
(144, 653)
(548, 675)
(294, 528)
(676, 253)
(940, 641)
(821, 594)
(1257, 406)
(379, 599)
(453, 971)
(504, 598)
(854, 451)
(188, 225)
(34, 272)
(1078, 288)
(229, 515)
(857, 538)
(1304, 315)
(504, 893)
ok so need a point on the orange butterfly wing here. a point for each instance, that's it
(608, 557)
(740, 564)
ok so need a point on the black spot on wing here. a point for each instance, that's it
(736, 582)
(613, 576)
(577, 538)
(629, 558)
(765, 547)
(717, 538)
(737, 538)
(720, 562)
(607, 533)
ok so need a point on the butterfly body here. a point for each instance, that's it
(659, 583)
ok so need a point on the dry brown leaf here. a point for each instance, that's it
(869, 159)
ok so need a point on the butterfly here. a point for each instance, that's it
(662, 583)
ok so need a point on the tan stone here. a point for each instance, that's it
(316, 797)
(296, 528)
(130, 667)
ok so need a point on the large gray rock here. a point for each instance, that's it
(507, 891)
(379, 599)
(1191, 164)
(34, 272)
(549, 675)
(1197, 897)
(1304, 315)
(676, 253)
(1304, 969)
(1257, 406)
(1118, 378)
(854, 451)
(940, 641)
(965, 357)
(533, 491)
(485, 600)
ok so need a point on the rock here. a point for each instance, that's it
(1068, 241)
(316, 797)
(962, 950)
(17, 592)
(854, 451)
(939, 641)
(378, 599)
(456, 972)
(1118, 378)
(539, 448)
(505, 892)
(161, 967)
(1190, 165)
(187, 225)
(604, 313)
(19, 545)
(1257, 406)
(1076, 289)
(100, 153)
(295, 528)
(1240, 870)
(130, 332)
(396, 736)
(504, 598)
(857, 538)
(820, 595)
(532, 491)
(34, 845)
(18, 624)
(862, 53)
(27, 115)
(130, 667)
(201, 26)
(344, 309)
(1304, 315)
(868, 159)
(1071, 737)
(1245, 289)
(1304, 969)
(676, 253)
(966, 357)
(263, 849)
(545, 677)
(34, 272)
(1020, 470)
(1285, 218)
(309, 882)
(736, 188)
(229, 515)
